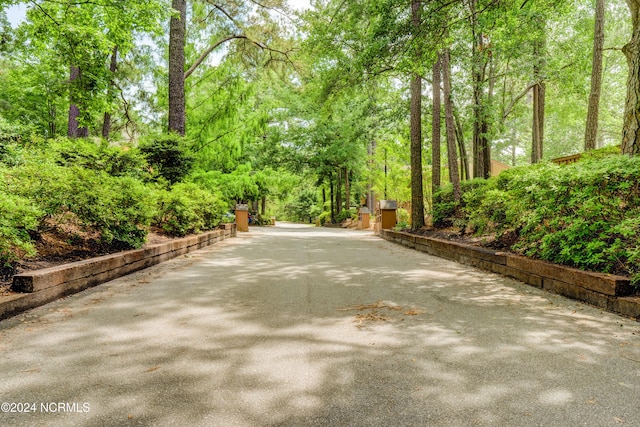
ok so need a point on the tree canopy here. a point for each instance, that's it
(335, 101)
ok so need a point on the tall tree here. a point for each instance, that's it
(347, 189)
(631, 127)
(74, 129)
(539, 88)
(79, 37)
(177, 41)
(113, 66)
(454, 174)
(480, 59)
(417, 191)
(436, 127)
(591, 130)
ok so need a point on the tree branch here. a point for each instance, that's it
(206, 53)
(515, 100)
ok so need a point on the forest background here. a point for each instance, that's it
(121, 117)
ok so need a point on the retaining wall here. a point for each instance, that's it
(39, 287)
(606, 291)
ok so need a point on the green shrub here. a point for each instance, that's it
(347, 213)
(11, 132)
(445, 210)
(403, 216)
(324, 217)
(187, 208)
(42, 181)
(169, 156)
(120, 208)
(18, 216)
(585, 215)
(102, 156)
(401, 225)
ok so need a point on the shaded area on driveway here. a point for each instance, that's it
(305, 326)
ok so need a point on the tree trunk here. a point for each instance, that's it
(454, 175)
(74, 130)
(347, 192)
(436, 128)
(333, 209)
(591, 130)
(106, 124)
(339, 193)
(417, 193)
(263, 208)
(481, 146)
(177, 35)
(324, 196)
(464, 158)
(370, 194)
(539, 90)
(631, 129)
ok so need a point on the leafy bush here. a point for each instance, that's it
(187, 208)
(12, 142)
(401, 225)
(324, 217)
(445, 209)
(169, 156)
(403, 216)
(347, 213)
(120, 208)
(12, 132)
(18, 216)
(585, 215)
(102, 156)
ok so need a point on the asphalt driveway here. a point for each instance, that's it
(302, 326)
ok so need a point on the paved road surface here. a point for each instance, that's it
(299, 326)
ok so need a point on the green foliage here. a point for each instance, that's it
(11, 149)
(11, 132)
(446, 210)
(18, 216)
(347, 214)
(120, 207)
(324, 217)
(304, 207)
(169, 156)
(187, 208)
(403, 215)
(102, 156)
(583, 215)
(401, 225)
(57, 35)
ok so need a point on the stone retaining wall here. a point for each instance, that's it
(606, 291)
(39, 287)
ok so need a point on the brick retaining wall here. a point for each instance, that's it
(606, 291)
